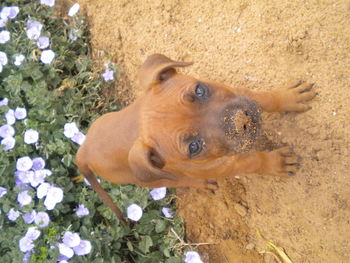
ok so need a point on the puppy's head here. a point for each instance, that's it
(186, 124)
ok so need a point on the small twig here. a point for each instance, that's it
(183, 243)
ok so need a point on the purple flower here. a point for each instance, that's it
(134, 212)
(4, 102)
(25, 176)
(78, 138)
(24, 164)
(8, 143)
(38, 164)
(192, 257)
(158, 193)
(4, 36)
(54, 196)
(167, 212)
(83, 248)
(108, 75)
(82, 211)
(24, 198)
(65, 250)
(27, 257)
(49, 3)
(42, 219)
(3, 23)
(71, 239)
(73, 34)
(43, 42)
(31, 136)
(25, 244)
(47, 56)
(19, 60)
(9, 12)
(3, 191)
(3, 58)
(13, 214)
(70, 129)
(29, 217)
(74, 9)
(38, 178)
(34, 29)
(6, 131)
(20, 113)
(10, 117)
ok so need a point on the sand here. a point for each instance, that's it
(260, 45)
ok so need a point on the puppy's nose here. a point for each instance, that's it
(241, 123)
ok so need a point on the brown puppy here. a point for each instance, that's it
(185, 132)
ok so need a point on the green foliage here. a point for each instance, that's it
(69, 90)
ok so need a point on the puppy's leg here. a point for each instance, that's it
(280, 162)
(294, 97)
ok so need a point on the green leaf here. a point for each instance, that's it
(145, 243)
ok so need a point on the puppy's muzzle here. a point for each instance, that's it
(241, 124)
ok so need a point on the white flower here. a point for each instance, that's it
(6, 131)
(10, 117)
(8, 143)
(20, 113)
(42, 219)
(83, 248)
(24, 164)
(3, 58)
(4, 36)
(47, 56)
(70, 129)
(1, 67)
(158, 193)
(74, 9)
(31, 136)
(43, 42)
(192, 257)
(24, 198)
(78, 138)
(42, 190)
(4, 102)
(108, 75)
(34, 29)
(71, 239)
(54, 196)
(38, 177)
(32, 233)
(65, 250)
(13, 214)
(167, 212)
(19, 60)
(82, 211)
(134, 212)
(3, 23)
(49, 3)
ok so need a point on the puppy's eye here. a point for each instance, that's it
(201, 91)
(195, 147)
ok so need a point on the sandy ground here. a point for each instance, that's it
(261, 45)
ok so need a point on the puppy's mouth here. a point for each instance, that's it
(241, 124)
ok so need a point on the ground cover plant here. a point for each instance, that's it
(49, 94)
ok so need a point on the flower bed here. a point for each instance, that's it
(49, 95)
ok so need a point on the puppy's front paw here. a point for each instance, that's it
(295, 97)
(281, 162)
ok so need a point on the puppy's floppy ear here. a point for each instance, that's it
(147, 164)
(158, 68)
